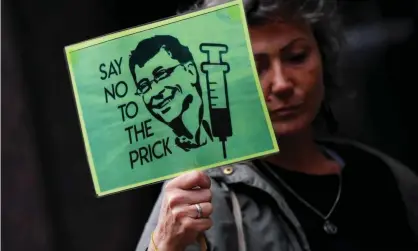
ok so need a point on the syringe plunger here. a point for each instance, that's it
(214, 52)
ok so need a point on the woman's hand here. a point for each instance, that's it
(179, 223)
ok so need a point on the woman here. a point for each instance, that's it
(314, 194)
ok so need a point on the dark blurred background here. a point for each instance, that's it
(48, 201)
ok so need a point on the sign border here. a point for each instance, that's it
(130, 31)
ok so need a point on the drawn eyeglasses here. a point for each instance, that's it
(145, 85)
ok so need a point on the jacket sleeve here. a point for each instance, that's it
(408, 184)
(151, 224)
(407, 181)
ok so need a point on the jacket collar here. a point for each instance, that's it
(247, 173)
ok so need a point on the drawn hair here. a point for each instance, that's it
(149, 47)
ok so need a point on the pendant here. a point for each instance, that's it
(330, 228)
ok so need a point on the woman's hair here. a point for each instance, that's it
(322, 17)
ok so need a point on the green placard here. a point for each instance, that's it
(157, 100)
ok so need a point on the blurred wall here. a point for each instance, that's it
(375, 103)
(48, 197)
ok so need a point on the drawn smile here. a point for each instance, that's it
(164, 103)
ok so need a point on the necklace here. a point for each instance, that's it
(329, 227)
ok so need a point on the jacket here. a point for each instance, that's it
(269, 230)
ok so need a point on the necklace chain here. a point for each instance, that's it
(324, 217)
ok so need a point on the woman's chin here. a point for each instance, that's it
(291, 127)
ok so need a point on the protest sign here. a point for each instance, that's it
(168, 97)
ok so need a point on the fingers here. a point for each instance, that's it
(190, 180)
(191, 211)
(206, 210)
(197, 225)
(179, 197)
(178, 223)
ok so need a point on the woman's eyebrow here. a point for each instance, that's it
(261, 55)
(293, 42)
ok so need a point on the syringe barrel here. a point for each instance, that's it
(215, 69)
(216, 84)
(221, 123)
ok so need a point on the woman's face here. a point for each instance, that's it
(290, 70)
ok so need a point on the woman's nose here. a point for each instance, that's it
(281, 86)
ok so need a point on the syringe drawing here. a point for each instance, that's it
(215, 70)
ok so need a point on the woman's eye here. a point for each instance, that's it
(297, 58)
(262, 64)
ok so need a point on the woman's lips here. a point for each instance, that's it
(285, 111)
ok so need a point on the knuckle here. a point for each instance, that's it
(209, 195)
(169, 185)
(177, 215)
(202, 175)
(205, 195)
(187, 224)
(210, 208)
(209, 181)
(172, 200)
(197, 175)
(170, 182)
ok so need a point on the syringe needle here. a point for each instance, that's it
(224, 148)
